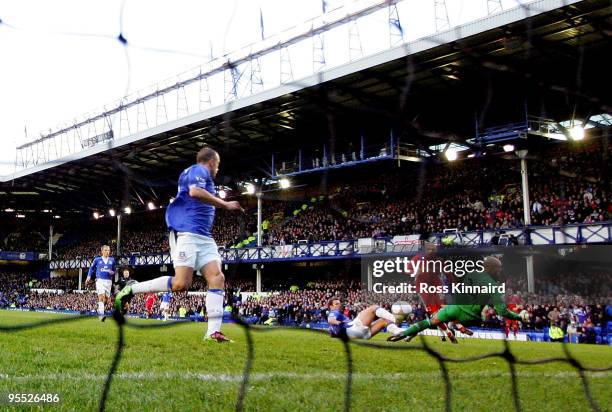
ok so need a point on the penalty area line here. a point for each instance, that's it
(207, 377)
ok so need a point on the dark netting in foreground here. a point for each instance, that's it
(442, 360)
(574, 16)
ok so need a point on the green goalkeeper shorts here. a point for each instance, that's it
(460, 313)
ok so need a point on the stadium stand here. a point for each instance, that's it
(566, 188)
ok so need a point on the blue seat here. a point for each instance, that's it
(597, 330)
(609, 327)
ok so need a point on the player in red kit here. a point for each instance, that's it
(513, 302)
(428, 274)
(150, 299)
(425, 276)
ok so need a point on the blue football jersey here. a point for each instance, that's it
(104, 269)
(167, 297)
(188, 214)
(337, 330)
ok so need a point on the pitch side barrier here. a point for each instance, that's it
(549, 235)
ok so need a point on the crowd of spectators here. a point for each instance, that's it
(13, 289)
(23, 238)
(141, 234)
(573, 319)
(565, 188)
(231, 228)
(74, 301)
(305, 304)
(567, 185)
(59, 283)
(144, 234)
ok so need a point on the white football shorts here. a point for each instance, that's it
(103, 286)
(191, 250)
(357, 330)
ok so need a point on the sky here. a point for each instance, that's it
(61, 60)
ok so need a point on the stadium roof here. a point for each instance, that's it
(429, 91)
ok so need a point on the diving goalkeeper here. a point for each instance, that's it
(469, 312)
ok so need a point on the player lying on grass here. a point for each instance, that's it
(466, 313)
(368, 322)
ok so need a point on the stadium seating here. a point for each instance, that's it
(566, 188)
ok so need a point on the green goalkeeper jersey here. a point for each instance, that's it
(479, 289)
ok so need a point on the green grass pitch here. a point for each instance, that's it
(172, 369)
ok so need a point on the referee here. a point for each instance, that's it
(124, 280)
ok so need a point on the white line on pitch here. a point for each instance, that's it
(137, 376)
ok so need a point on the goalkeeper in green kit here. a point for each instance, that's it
(470, 306)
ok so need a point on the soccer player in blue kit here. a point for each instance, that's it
(104, 267)
(366, 324)
(190, 219)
